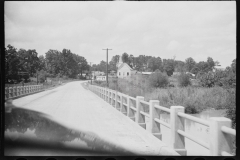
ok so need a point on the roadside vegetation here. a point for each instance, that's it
(208, 90)
(25, 67)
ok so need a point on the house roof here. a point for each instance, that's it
(124, 64)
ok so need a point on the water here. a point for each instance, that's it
(195, 129)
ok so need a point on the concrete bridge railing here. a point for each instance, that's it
(220, 127)
(13, 92)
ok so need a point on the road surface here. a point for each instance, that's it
(81, 109)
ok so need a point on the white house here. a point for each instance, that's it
(218, 68)
(124, 70)
(101, 78)
(98, 73)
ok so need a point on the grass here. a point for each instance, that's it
(194, 99)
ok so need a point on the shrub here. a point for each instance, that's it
(184, 80)
(207, 80)
(158, 79)
(42, 76)
(230, 106)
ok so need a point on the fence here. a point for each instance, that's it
(12, 92)
(220, 127)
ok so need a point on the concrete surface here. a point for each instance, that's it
(79, 108)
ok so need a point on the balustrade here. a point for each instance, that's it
(220, 127)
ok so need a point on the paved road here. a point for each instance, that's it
(79, 108)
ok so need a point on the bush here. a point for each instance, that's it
(230, 106)
(158, 79)
(42, 76)
(184, 80)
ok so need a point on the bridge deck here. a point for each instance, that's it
(81, 109)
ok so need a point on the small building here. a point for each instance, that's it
(146, 73)
(218, 68)
(98, 73)
(176, 73)
(124, 70)
(101, 78)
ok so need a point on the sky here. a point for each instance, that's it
(197, 29)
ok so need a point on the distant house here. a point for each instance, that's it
(123, 69)
(218, 68)
(98, 73)
(101, 78)
(146, 73)
(176, 73)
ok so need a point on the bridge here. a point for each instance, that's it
(130, 122)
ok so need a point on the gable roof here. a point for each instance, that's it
(124, 64)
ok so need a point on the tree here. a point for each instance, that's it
(189, 64)
(158, 79)
(125, 58)
(11, 64)
(233, 66)
(168, 66)
(42, 62)
(179, 66)
(113, 63)
(154, 63)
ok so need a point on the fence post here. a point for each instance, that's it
(113, 93)
(219, 141)
(119, 103)
(109, 96)
(128, 106)
(177, 123)
(131, 114)
(140, 119)
(106, 94)
(116, 99)
(154, 113)
(14, 91)
(24, 89)
(123, 108)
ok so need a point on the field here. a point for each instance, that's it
(195, 99)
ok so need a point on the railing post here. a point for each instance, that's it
(140, 119)
(14, 92)
(119, 104)
(116, 100)
(6, 92)
(10, 92)
(18, 91)
(106, 94)
(113, 93)
(109, 97)
(219, 141)
(130, 114)
(123, 108)
(154, 113)
(128, 106)
(177, 123)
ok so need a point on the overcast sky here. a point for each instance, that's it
(197, 29)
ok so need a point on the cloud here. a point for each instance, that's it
(173, 45)
(140, 28)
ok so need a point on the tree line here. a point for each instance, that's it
(151, 64)
(22, 64)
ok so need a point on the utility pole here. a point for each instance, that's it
(107, 64)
